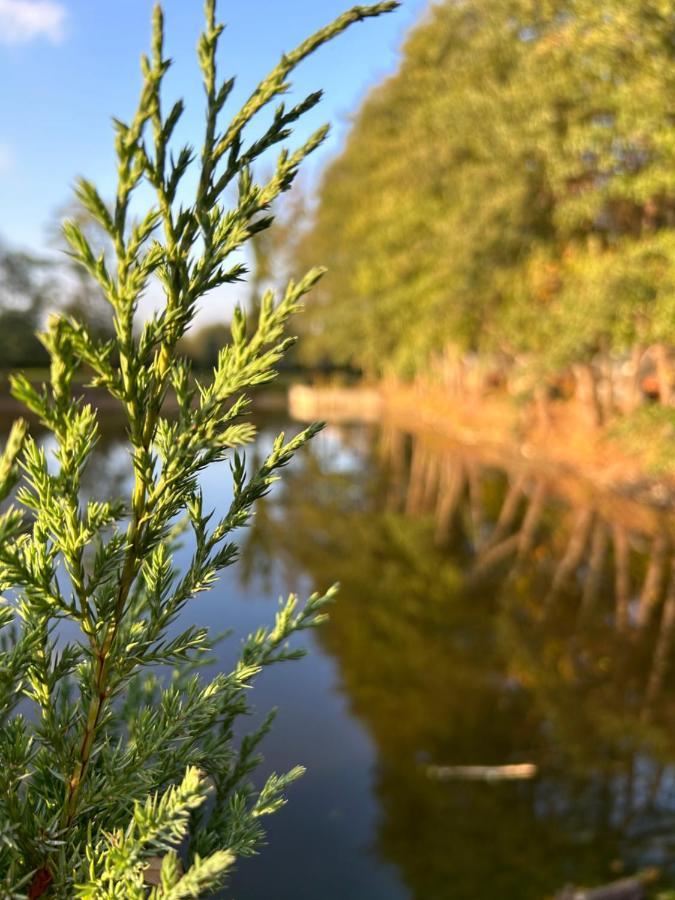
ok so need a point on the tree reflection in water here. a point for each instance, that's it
(492, 612)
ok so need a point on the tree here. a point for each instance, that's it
(93, 788)
(25, 290)
(79, 294)
(501, 192)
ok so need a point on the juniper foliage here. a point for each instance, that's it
(106, 766)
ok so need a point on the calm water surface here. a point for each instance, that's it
(489, 615)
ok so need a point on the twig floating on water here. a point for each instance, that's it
(511, 772)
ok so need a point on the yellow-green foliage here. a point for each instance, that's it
(105, 765)
(510, 188)
(648, 433)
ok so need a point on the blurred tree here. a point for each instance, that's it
(509, 190)
(79, 295)
(31, 286)
(25, 292)
(203, 343)
(270, 263)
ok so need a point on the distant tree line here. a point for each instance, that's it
(33, 285)
(24, 292)
(508, 196)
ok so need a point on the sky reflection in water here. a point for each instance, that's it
(486, 617)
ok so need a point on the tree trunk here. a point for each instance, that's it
(599, 544)
(608, 404)
(663, 648)
(461, 378)
(634, 386)
(663, 374)
(492, 554)
(573, 555)
(528, 530)
(475, 503)
(587, 392)
(450, 497)
(432, 474)
(541, 405)
(509, 510)
(622, 576)
(653, 583)
(415, 493)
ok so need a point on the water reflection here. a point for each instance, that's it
(492, 613)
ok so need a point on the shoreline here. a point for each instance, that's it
(265, 401)
(567, 448)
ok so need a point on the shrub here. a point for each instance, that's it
(105, 766)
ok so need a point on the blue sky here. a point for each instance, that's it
(67, 66)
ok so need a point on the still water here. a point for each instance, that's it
(489, 614)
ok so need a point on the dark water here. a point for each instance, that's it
(489, 615)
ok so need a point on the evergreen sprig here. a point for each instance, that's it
(105, 767)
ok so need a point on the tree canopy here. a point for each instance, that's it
(509, 190)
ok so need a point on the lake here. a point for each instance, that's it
(491, 615)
